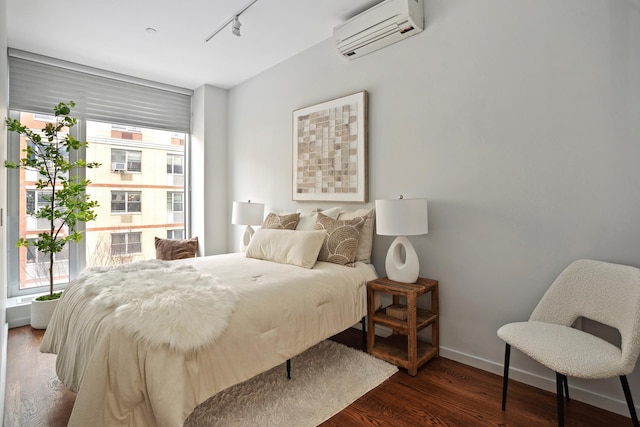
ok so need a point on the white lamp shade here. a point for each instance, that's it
(247, 213)
(402, 217)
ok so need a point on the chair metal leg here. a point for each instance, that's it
(288, 369)
(566, 387)
(560, 398)
(627, 395)
(364, 334)
(505, 375)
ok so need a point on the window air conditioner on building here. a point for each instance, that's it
(118, 167)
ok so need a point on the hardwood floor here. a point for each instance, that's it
(35, 396)
(444, 393)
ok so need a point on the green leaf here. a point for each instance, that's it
(48, 154)
(63, 109)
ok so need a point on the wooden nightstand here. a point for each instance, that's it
(403, 348)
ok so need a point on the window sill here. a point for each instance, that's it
(19, 310)
(23, 300)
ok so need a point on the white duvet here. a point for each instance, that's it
(123, 381)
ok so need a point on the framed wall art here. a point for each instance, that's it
(330, 150)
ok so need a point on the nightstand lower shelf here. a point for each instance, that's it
(394, 349)
(406, 320)
(424, 318)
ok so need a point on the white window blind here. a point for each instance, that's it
(37, 83)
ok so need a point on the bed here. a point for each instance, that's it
(150, 370)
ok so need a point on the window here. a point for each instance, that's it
(124, 121)
(43, 198)
(126, 243)
(65, 154)
(34, 256)
(31, 201)
(35, 267)
(110, 239)
(126, 201)
(126, 160)
(36, 200)
(175, 234)
(175, 207)
(121, 195)
(175, 168)
(175, 202)
(174, 164)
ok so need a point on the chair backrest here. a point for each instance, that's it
(601, 291)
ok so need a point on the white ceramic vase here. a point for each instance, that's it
(41, 312)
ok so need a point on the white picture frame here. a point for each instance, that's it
(330, 150)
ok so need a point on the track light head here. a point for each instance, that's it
(236, 22)
(236, 26)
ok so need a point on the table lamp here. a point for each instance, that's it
(247, 213)
(402, 217)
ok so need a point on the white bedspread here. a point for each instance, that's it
(122, 381)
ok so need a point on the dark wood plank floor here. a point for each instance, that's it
(444, 393)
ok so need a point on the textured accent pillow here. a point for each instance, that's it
(341, 243)
(365, 244)
(293, 247)
(281, 222)
(308, 218)
(169, 249)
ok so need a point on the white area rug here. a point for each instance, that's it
(324, 380)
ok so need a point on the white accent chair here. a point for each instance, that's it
(604, 292)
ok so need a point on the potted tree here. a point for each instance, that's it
(49, 153)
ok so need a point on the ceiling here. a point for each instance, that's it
(112, 35)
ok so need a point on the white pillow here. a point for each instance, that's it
(293, 247)
(308, 218)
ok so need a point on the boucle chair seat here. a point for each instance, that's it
(566, 350)
(604, 292)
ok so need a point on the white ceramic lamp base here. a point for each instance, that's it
(246, 238)
(407, 271)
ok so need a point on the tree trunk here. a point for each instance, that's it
(50, 273)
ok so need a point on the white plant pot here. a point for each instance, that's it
(41, 312)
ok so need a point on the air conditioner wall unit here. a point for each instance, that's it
(118, 166)
(379, 26)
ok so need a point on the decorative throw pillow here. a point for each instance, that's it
(308, 218)
(365, 244)
(281, 222)
(341, 243)
(170, 249)
(293, 247)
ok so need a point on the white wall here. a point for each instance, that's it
(208, 170)
(3, 198)
(518, 120)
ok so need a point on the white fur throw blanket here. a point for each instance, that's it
(161, 303)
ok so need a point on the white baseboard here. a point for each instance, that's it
(3, 368)
(548, 384)
(544, 383)
(18, 317)
(18, 312)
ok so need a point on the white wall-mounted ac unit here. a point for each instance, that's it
(379, 26)
(118, 166)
